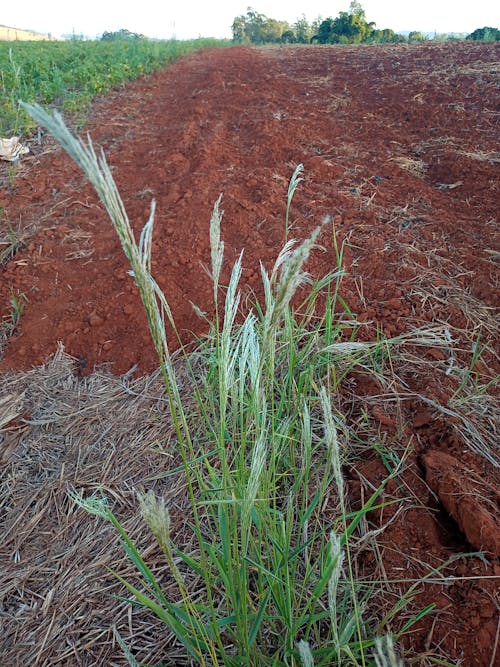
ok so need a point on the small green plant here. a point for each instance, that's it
(10, 243)
(10, 322)
(472, 379)
(268, 578)
(17, 303)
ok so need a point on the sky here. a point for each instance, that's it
(193, 18)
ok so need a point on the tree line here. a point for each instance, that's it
(350, 27)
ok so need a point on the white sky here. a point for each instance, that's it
(192, 18)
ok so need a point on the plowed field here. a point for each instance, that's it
(400, 152)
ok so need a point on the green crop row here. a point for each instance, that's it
(68, 75)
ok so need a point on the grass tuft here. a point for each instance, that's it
(263, 448)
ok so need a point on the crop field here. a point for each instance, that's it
(290, 458)
(70, 74)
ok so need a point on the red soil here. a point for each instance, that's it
(398, 147)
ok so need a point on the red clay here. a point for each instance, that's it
(399, 149)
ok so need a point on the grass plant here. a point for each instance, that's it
(267, 575)
(10, 322)
(17, 303)
(10, 242)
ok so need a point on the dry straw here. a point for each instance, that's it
(93, 434)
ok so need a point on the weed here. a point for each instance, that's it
(472, 379)
(10, 243)
(268, 576)
(17, 303)
(10, 322)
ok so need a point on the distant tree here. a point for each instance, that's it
(238, 29)
(255, 28)
(416, 36)
(254, 23)
(484, 35)
(357, 10)
(385, 36)
(288, 37)
(315, 26)
(273, 30)
(348, 28)
(353, 27)
(121, 35)
(325, 31)
(303, 30)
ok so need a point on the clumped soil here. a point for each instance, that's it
(400, 154)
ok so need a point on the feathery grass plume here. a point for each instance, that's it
(216, 246)
(191, 631)
(428, 336)
(245, 390)
(305, 469)
(95, 168)
(96, 505)
(184, 619)
(337, 557)
(286, 277)
(331, 436)
(249, 361)
(228, 347)
(157, 516)
(257, 464)
(306, 656)
(292, 186)
(231, 305)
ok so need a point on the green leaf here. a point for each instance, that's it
(192, 642)
(254, 630)
(417, 617)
